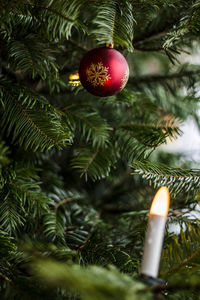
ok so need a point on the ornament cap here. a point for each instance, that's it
(110, 45)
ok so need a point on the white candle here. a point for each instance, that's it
(155, 233)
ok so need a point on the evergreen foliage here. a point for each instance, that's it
(78, 172)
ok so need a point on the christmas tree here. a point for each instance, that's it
(78, 172)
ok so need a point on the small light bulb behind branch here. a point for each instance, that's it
(74, 79)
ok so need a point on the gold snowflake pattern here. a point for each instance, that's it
(125, 79)
(97, 74)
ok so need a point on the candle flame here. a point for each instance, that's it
(160, 204)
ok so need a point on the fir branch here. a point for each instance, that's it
(159, 23)
(11, 217)
(183, 263)
(31, 127)
(54, 226)
(174, 257)
(35, 202)
(21, 199)
(93, 163)
(129, 148)
(113, 27)
(114, 24)
(93, 283)
(91, 125)
(177, 179)
(51, 10)
(8, 248)
(154, 134)
(31, 54)
(63, 202)
(87, 239)
(58, 17)
(91, 160)
(92, 230)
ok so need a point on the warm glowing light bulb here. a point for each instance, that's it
(74, 76)
(160, 204)
(74, 79)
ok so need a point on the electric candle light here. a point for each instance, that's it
(155, 233)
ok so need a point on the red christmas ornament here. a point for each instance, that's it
(103, 71)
